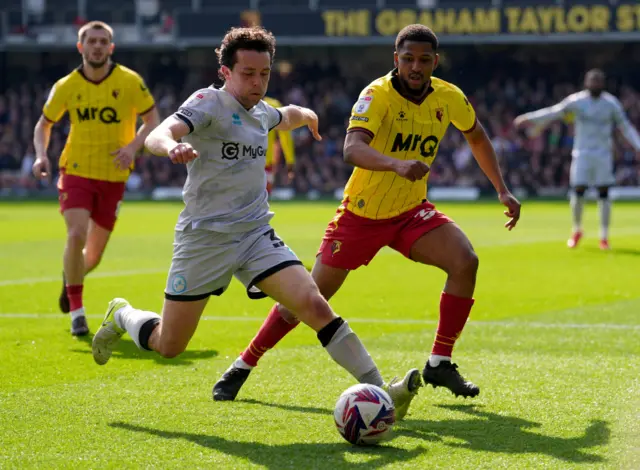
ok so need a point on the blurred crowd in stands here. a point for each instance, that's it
(500, 96)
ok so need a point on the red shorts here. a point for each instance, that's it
(100, 198)
(351, 241)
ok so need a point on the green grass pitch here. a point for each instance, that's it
(553, 342)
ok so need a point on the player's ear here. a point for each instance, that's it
(226, 72)
(435, 61)
(112, 46)
(79, 47)
(395, 59)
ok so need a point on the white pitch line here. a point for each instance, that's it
(39, 280)
(389, 321)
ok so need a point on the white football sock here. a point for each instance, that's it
(435, 360)
(347, 350)
(240, 364)
(577, 204)
(77, 313)
(605, 217)
(131, 319)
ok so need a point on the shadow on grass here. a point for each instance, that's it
(615, 251)
(127, 349)
(295, 455)
(490, 432)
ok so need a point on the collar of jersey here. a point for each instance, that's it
(395, 82)
(111, 69)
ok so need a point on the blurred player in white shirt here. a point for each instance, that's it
(595, 113)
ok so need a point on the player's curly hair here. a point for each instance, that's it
(254, 38)
(419, 33)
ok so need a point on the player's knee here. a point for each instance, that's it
(316, 306)
(580, 190)
(603, 193)
(466, 264)
(170, 350)
(77, 237)
(92, 260)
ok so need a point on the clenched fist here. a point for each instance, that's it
(183, 153)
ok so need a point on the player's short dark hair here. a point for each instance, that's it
(419, 33)
(597, 72)
(82, 33)
(254, 38)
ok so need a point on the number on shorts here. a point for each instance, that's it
(277, 243)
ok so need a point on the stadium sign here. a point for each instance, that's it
(507, 24)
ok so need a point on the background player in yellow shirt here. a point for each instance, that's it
(103, 100)
(275, 148)
(392, 139)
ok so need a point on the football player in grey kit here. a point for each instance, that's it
(224, 228)
(596, 112)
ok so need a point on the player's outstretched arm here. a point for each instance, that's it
(626, 128)
(163, 141)
(41, 134)
(544, 116)
(485, 155)
(297, 116)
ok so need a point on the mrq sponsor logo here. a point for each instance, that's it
(234, 151)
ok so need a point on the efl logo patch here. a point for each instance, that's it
(115, 93)
(439, 113)
(335, 247)
(362, 105)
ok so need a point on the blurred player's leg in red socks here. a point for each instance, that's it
(271, 332)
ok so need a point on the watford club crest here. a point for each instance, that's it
(335, 247)
(439, 113)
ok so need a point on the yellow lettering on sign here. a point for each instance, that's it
(346, 23)
(529, 21)
(386, 23)
(513, 14)
(487, 21)
(600, 16)
(464, 25)
(405, 18)
(546, 16)
(445, 20)
(578, 19)
(628, 18)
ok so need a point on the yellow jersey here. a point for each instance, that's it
(285, 138)
(404, 129)
(103, 119)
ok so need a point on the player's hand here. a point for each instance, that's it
(124, 157)
(290, 174)
(42, 168)
(412, 170)
(311, 119)
(183, 153)
(513, 208)
(520, 121)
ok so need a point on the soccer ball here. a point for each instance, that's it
(364, 415)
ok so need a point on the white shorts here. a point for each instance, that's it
(205, 261)
(592, 171)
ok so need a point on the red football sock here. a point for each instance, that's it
(75, 296)
(454, 312)
(271, 332)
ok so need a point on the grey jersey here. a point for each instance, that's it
(226, 185)
(594, 120)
